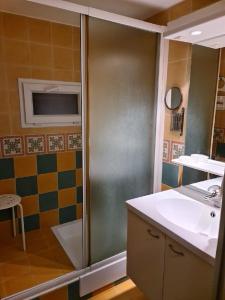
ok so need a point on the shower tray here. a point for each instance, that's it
(69, 236)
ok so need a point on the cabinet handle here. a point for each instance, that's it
(175, 251)
(155, 236)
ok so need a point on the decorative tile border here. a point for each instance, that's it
(37, 144)
(219, 135)
(177, 149)
(12, 146)
(74, 141)
(55, 142)
(166, 150)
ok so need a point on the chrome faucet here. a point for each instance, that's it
(215, 196)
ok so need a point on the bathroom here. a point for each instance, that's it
(68, 163)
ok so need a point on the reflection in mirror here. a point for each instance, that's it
(173, 99)
(44, 167)
(201, 105)
(218, 149)
(197, 76)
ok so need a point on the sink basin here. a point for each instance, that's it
(190, 215)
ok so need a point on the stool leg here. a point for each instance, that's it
(14, 221)
(22, 227)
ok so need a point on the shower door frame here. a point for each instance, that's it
(160, 89)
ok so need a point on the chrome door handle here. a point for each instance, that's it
(175, 251)
(155, 236)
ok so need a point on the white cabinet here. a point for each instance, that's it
(187, 277)
(163, 269)
(145, 256)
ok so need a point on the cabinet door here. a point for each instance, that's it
(145, 257)
(187, 277)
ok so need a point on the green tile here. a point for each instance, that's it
(74, 292)
(66, 179)
(26, 186)
(78, 159)
(48, 201)
(46, 163)
(170, 175)
(30, 223)
(6, 168)
(67, 214)
(79, 194)
(6, 214)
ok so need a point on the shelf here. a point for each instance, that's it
(209, 166)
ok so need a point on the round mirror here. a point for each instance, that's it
(173, 98)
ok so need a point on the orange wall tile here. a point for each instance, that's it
(67, 197)
(47, 183)
(65, 161)
(49, 218)
(79, 208)
(62, 35)
(30, 205)
(79, 178)
(25, 166)
(6, 227)
(39, 31)
(7, 186)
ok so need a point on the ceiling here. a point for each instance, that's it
(204, 27)
(140, 9)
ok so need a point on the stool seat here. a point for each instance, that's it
(9, 200)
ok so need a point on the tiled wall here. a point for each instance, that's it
(50, 186)
(42, 165)
(179, 67)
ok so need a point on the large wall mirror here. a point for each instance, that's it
(199, 73)
(43, 164)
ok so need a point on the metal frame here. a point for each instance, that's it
(163, 51)
(85, 245)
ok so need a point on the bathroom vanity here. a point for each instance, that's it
(172, 242)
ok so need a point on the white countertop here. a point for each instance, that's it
(200, 244)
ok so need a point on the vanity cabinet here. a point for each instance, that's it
(145, 256)
(163, 269)
(186, 276)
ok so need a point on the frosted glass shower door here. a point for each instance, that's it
(121, 118)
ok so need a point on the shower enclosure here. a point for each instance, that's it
(123, 70)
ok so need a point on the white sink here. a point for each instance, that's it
(190, 215)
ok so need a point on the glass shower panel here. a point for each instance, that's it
(121, 86)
